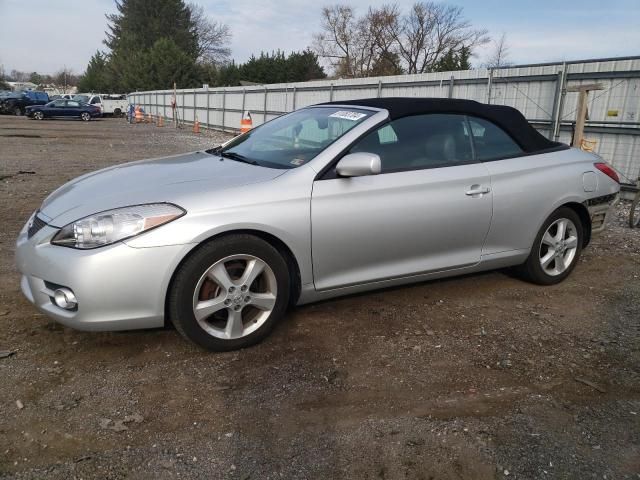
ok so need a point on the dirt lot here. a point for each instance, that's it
(478, 377)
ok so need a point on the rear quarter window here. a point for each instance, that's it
(491, 142)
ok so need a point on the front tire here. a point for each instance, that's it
(229, 293)
(556, 249)
(85, 116)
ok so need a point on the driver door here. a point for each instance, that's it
(429, 210)
(58, 108)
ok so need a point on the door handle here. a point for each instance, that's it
(477, 190)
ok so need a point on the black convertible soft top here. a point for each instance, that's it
(508, 118)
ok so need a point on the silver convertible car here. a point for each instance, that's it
(328, 200)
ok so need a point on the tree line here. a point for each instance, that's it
(153, 43)
(429, 37)
(150, 44)
(62, 77)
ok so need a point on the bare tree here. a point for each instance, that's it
(429, 31)
(356, 47)
(336, 43)
(499, 54)
(213, 37)
(18, 76)
(414, 42)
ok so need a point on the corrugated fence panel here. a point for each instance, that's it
(613, 126)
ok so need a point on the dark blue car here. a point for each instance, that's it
(63, 108)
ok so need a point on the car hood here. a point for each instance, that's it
(167, 179)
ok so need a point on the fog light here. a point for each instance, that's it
(64, 298)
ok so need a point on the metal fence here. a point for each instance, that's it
(539, 91)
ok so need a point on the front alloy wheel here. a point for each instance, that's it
(85, 116)
(235, 296)
(229, 293)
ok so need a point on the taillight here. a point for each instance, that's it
(608, 171)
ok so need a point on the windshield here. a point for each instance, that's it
(294, 139)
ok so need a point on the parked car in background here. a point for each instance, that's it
(16, 103)
(329, 200)
(64, 96)
(63, 108)
(115, 105)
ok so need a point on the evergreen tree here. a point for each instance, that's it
(96, 77)
(448, 62)
(454, 60)
(387, 64)
(463, 58)
(138, 32)
(228, 76)
(304, 66)
(273, 67)
(166, 63)
(36, 78)
(139, 24)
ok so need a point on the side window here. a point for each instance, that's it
(490, 141)
(59, 103)
(420, 141)
(95, 100)
(71, 103)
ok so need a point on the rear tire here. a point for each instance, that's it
(117, 112)
(38, 115)
(634, 214)
(237, 285)
(17, 112)
(556, 249)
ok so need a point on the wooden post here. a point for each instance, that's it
(582, 111)
(174, 106)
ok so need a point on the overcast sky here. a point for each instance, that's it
(45, 35)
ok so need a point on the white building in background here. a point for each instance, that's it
(20, 86)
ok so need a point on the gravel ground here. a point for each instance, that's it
(477, 377)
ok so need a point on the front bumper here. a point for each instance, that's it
(117, 287)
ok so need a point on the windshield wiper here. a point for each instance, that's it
(237, 157)
(214, 150)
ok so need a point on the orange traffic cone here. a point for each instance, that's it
(196, 126)
(139, 117)
(149, 120)
(160, 121)
(246, 123)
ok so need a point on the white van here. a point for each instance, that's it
(110, 104)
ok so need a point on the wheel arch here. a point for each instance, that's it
(582, 212)
(274, 241)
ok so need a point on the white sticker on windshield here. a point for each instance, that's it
(297, 161)
(347, 115)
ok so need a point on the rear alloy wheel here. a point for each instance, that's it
(556, 249)
(85, 116)
(38, 115)
(230, 293)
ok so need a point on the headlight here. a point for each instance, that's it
(112, 226)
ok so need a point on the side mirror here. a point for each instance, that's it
(359, 164)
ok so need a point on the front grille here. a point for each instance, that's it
(36, 226)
